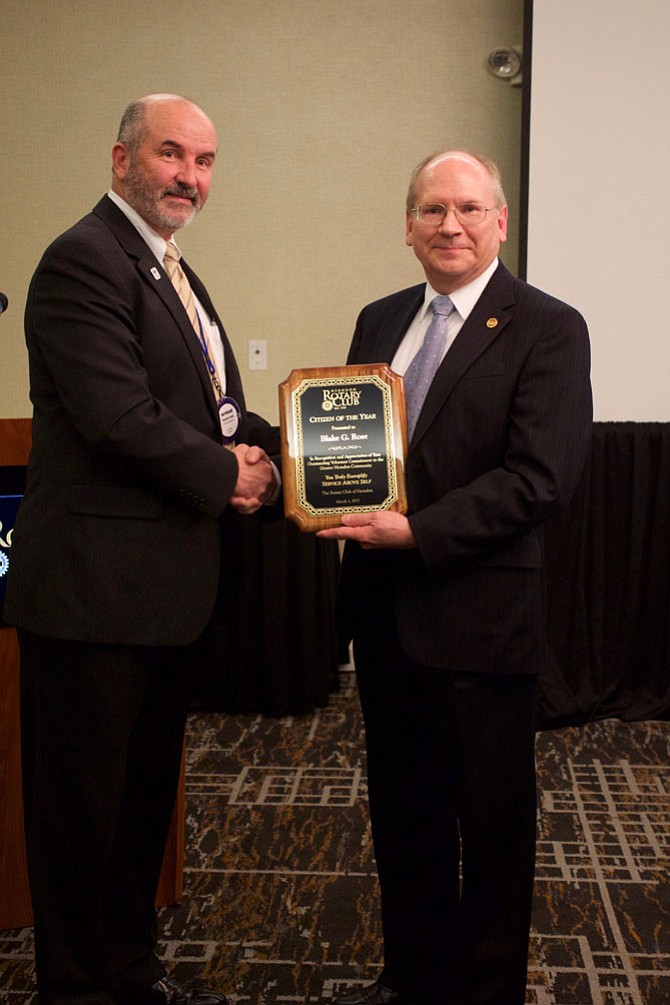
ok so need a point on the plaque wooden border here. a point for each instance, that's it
(329, 440)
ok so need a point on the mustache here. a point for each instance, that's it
(183, 191)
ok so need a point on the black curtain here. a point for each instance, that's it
(608, 600)
(608, 583)
(280, 656)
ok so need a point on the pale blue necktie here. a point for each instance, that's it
(420, 372)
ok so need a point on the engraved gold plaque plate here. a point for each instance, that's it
(343, 441)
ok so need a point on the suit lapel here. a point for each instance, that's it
(157, 280)
(485, 324)
(233, 379)
(162, 286)
(381, 335)
(400, 319)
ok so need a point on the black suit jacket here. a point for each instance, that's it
(498, 448)
(118, 538)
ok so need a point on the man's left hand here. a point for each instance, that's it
(381, 529)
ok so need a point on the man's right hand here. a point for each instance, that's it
(255, 480)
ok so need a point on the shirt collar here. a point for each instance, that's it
(465, 298)
(156, 243)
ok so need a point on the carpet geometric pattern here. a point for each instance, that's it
(280, 902)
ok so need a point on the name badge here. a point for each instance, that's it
(230, 418)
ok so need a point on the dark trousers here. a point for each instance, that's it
(451, 784)
(102, 734)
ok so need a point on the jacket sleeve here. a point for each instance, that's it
(545, 435)
(108, 359)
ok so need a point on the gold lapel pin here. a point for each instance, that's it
(492, 323)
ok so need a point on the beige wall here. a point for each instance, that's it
(322, 108)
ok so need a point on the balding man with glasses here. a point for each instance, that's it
(445, 605)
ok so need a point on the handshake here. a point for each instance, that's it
(257, 479)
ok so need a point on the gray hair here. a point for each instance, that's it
(489, 166)
(133, 128)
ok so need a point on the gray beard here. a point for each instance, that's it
(142, 197)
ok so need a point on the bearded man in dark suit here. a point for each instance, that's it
(445, 604)
(125, 547)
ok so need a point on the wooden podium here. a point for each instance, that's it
(15, 909)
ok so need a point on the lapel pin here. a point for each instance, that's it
(492, 323)
(155, 273)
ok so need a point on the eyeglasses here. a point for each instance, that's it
(468, 214)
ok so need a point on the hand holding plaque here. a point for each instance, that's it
(343, 443)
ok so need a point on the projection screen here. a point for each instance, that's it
(598, 214)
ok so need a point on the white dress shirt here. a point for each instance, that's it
(463, 300)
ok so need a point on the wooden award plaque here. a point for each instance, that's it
(343, 443)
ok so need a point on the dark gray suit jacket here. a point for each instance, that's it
(499, 447)
(118, 538)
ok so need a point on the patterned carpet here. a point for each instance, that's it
(280, 891)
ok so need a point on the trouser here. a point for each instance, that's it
(102, 734)
(451, 784)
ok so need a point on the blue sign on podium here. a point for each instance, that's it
(12, 485)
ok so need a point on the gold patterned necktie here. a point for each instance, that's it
(420, 372)
(181, 284)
